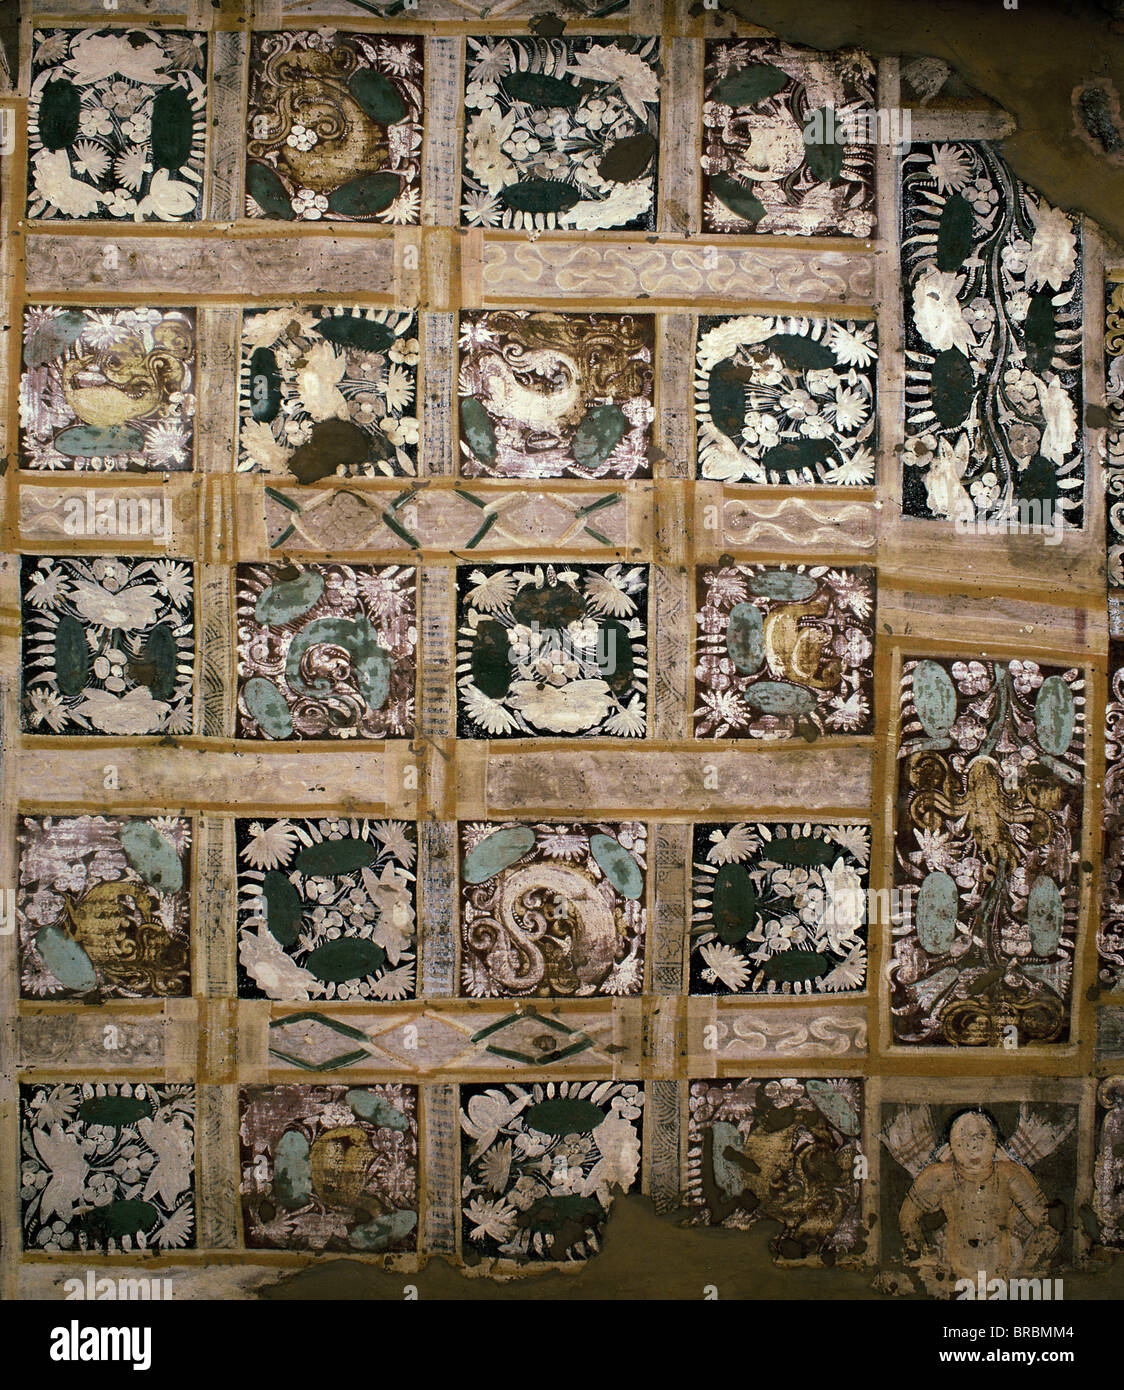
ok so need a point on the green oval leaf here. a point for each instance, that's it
(477, 430)
(332, 857)
(787, 585)
(332, 444)
(92, 441)
(173, 122)
(1055, 715)
(780, 697)
(834, 1107)
(345, 958)
(159, 661)
(265, 384)
(733, 904)
(66, 960)
(937, 907)
(51, 337)
(934, 698)
(292, 1170)
(539, 195)
(1040, 334)
(383, 1231)
(378, 96)
(365, 196)
(60, 109)
(625, 160)
(570, 1116)
(268, 708)
(806, 850)
(114, 1111)
(152, 856)
(539, 89)
(824, 157)
(369, 1106)
(953, 386)
(800, 352)
(725, 394)
(267, 190)
(618, 866)
(355, 331)
(745, 638)
(491, 659)
(749, 85)
(795, 965)
(738, 197)
(1045, 915)
(116, 1220)
(289, 599)
(496, 852)
(954, 233)
(283, 907)
(599, 433)
(72, 656)
(615, 660)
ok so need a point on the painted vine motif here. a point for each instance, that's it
(1114, 435)
(540, 1166)
(784, 651)
(545, 395)
(987, 843)
(108, 645)
(561, 133)
(784, 1150)
(335, 127)
(117, 124)
(103, 907)
(976, 1187)
(107, 389)
(1110, 933)
(993, 296)
(552, 650)
(1108, 1166)
(786, 401)
(326, 651)
(328, 391)
(330, 1168)
(779, 908)
(107, 1167)
(326, 909)
(778, 154)
(553, 909)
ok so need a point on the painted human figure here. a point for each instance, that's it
(980, 1192)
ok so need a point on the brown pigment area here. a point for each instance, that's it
(643, 1256)
(1029, 61)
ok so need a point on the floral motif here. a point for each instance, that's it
(784, 651)
(107, 389)
(326, 651)
(990, 774)
(1108, 1168)
(103, 907)
(786, 401)
(545, 395)
(335, 127)
(107, 1167)
(782, 1150)
(108, 645)
(993, 343)
(330, 1168)
(327, 391)
(326, 909)
(117, 124)
(553, 909)
(1110, 934)
(787, 146)
(561, 133)
(540, 1166)
(553, 650)
(1114, 435)
(779, 909)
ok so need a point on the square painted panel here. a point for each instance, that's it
(992, 286)
(108, 645)
(328, 391)
(107, 389)
(107, 1167)
(933, 1151)
(784, 651)
(540, 1166)
(779, 908)
(103, 906)
(330, 1168)
(1110, 930)
(787, 146)
(785, 1150)
(555, 909)
(991, 771)
(335, 127)
(326, 909)
(787, 402)
(326, 651)
(552, 651)
(561, 133)
(117, 125)
(545, 395)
